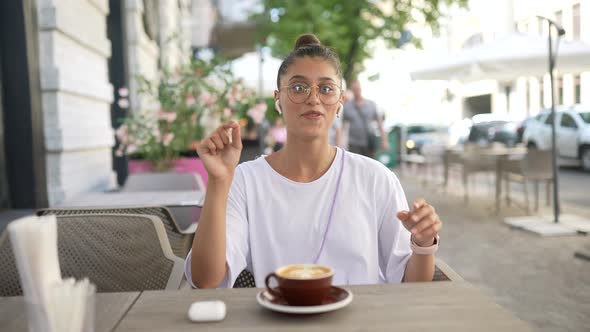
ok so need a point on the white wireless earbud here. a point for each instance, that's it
(340, 106)
(278, 107)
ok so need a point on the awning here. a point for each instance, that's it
(504, 59)
(232, 40)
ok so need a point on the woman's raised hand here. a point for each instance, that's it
(220, 151)
(422, 221)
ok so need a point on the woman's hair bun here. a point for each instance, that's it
(306, 40)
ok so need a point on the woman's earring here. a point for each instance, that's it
(278, 107)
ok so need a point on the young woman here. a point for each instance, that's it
(310, 202)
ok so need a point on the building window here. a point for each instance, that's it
(559, 92)
(576, 21)
(540, 24)
(527, 103)
(577, 89)
(559, 17)
(558, 21)
(541, 93)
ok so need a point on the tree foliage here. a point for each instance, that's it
(346, 26)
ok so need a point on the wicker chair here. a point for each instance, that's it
(442, 272)
(118, 253)
(245, 280)
(180, 240)
(10, 285)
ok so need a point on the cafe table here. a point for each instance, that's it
(162, 198)
(110, 308)
(494, 160)
(436, 306)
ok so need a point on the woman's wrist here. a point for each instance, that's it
(425, 248)
(221, 181)
(424, 243)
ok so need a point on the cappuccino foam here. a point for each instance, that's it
(305, 272)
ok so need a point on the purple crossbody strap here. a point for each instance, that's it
(315, 261)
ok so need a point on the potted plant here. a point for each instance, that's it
(178, 110)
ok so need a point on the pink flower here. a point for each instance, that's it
(227, 112)
(190, 100)
(123, 103)
(166, 116)
(206, 98)
(167, 138)
(257, 112)
(122, 134)
(131, 148)
(235, 95)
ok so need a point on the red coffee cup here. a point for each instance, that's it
(301, 284)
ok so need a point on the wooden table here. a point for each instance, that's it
(436, 306)
(110, 308)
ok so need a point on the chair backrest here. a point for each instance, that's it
(10, 283)
(163, 182)
(442, 272)
(180, 241)
(476, 158)
(118, 253)
(245, 280)
(538, 164)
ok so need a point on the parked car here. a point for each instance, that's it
(572, 128)
(487, 132)
(418, 136)
(522, 126)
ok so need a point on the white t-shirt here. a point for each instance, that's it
(273, 221)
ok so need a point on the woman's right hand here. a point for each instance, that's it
(219, 156)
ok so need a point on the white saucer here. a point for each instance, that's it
(341, 298)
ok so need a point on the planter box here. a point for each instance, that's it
(181, 165)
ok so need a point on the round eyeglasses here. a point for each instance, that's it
(298, 93)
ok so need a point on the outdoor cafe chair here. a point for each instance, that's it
(534, 167)
(442, 272)
(168, 181)
(474, 159)
(116, 252)
(180, 239)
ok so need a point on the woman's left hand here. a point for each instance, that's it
(422, 221)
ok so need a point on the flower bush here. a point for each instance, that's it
(182, 107)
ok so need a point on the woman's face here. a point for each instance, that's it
(313, 117)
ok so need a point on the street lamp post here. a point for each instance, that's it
(552, 59)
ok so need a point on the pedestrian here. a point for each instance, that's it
(361, 114)
(309, 202)
(277, 134)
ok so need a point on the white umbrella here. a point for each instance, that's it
(504, 59)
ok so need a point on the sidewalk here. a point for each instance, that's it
(536, 278)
